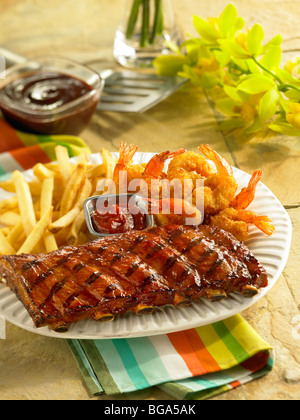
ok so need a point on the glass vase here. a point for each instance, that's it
(146, 28)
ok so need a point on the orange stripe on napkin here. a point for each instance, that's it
(30, 156)
(235, 384)
(9, 139)
(191, 348)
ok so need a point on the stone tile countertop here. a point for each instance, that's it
(37, 367)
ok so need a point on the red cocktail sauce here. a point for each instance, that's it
(117, 218)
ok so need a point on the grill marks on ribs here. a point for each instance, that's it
(134, 271)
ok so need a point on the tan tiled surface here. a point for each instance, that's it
(35, 367)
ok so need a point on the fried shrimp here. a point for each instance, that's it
(243, 200)
(189, 166)
(220, 187)
(237, 221)
(175, 211)
(153, 173)
(155, 167)
(144, 174)
(123, 164)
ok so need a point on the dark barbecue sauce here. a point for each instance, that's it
(43, 92)
(118, 218)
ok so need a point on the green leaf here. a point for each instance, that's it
(272, 58)
(285, 128)
(169, 65)
(268, 105)
(253, 67)
(255, 127)
(173, 47)
(286, 77)
(255, 38)
(192, 43)
(205, 29)
(242, 65)
(231, 124)
(222, 57)
(234, 49)
(292, 94)
(228, 20)
(209, 80)
(275, 42)
(226, 106)
(205, 80)
(240, 23)
(232, 92)
(256, 84)
(285, 104)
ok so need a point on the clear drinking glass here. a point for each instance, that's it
(144, 32)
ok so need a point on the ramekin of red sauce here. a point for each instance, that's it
(109, 215)
(50, 95)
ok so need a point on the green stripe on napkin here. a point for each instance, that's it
(180, 364)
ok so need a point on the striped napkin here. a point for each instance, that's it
(193, 364)
(22, 151)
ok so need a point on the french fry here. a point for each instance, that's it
(9, 203)
(35, 188)
(69, 217)
(72, 188)
(50, 242)
(5, 247)
(109, 163)
(37, 233)
(76, 228)
(25, 202)
(42, 172)
(46, 204)
(96, 171)
(83, 238)
(8, 185)
(16, 232)
(46, 195)
(48, 212)
(9, 218)
(6, 230)
(83, 158)
(61, 236)
(63, 159)
(64, 221)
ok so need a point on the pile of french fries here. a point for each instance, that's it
(47, 213)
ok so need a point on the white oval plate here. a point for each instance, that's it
(272, 252)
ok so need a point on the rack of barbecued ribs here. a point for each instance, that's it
(135, 271)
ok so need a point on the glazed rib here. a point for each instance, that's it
(135, 271)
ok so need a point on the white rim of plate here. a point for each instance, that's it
(272, 252)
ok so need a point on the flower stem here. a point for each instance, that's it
(145, 23)
(267, 70)
(285, 86)
(158, 21)
(133, 18)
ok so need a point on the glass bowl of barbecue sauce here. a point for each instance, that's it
(109, 215)
(50, 95)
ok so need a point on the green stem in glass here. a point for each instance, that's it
(158, 22)
(145, 23)
(133, 18)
